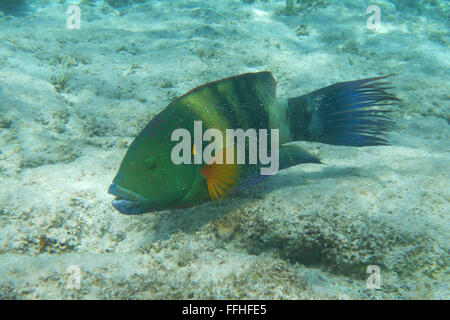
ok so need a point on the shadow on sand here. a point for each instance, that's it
(193, 219)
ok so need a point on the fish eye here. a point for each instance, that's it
(150, 163)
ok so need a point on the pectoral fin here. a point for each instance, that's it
(289, 156)
(221, 178)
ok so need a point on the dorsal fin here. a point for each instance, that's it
(265, 77)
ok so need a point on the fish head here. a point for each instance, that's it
(148, 180)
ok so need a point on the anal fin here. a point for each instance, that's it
(292, 155)
(289, 155)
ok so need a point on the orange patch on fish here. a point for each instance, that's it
(220, 177)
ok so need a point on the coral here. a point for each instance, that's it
(5, 123)
(302, 30)
(61, 82)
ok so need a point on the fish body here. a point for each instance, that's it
(346, 113)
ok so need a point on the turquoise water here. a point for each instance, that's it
(75, 90)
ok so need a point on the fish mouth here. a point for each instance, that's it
(126, 202)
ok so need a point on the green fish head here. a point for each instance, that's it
(147, 179)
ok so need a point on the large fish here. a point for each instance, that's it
(346, 113)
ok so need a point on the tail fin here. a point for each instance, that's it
(345, 113)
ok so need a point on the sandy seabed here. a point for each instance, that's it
(71, 101)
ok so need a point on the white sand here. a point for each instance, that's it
(72, 100)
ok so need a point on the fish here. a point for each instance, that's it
(353, 113)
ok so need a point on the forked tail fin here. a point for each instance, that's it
(345, 113)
